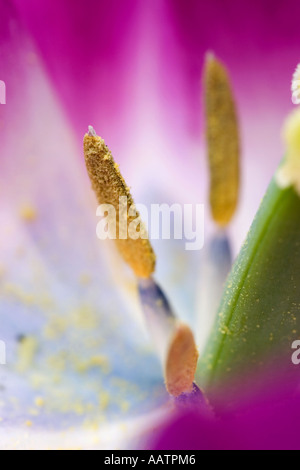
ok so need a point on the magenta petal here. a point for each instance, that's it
(84, 45)
(270, 421)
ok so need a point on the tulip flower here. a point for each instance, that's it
(77, 366)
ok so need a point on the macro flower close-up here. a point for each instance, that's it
(150, 236)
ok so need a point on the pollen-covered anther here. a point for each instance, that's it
(109, 186)
(222, 134)
(181, 361)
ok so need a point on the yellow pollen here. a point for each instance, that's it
(222, 136)
(181, 361)
(28, 213)
(109, 185)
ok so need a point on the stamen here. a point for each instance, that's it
(109, 186)
(181, 361)
(222, 141)
(216, 263)
(173, 339)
